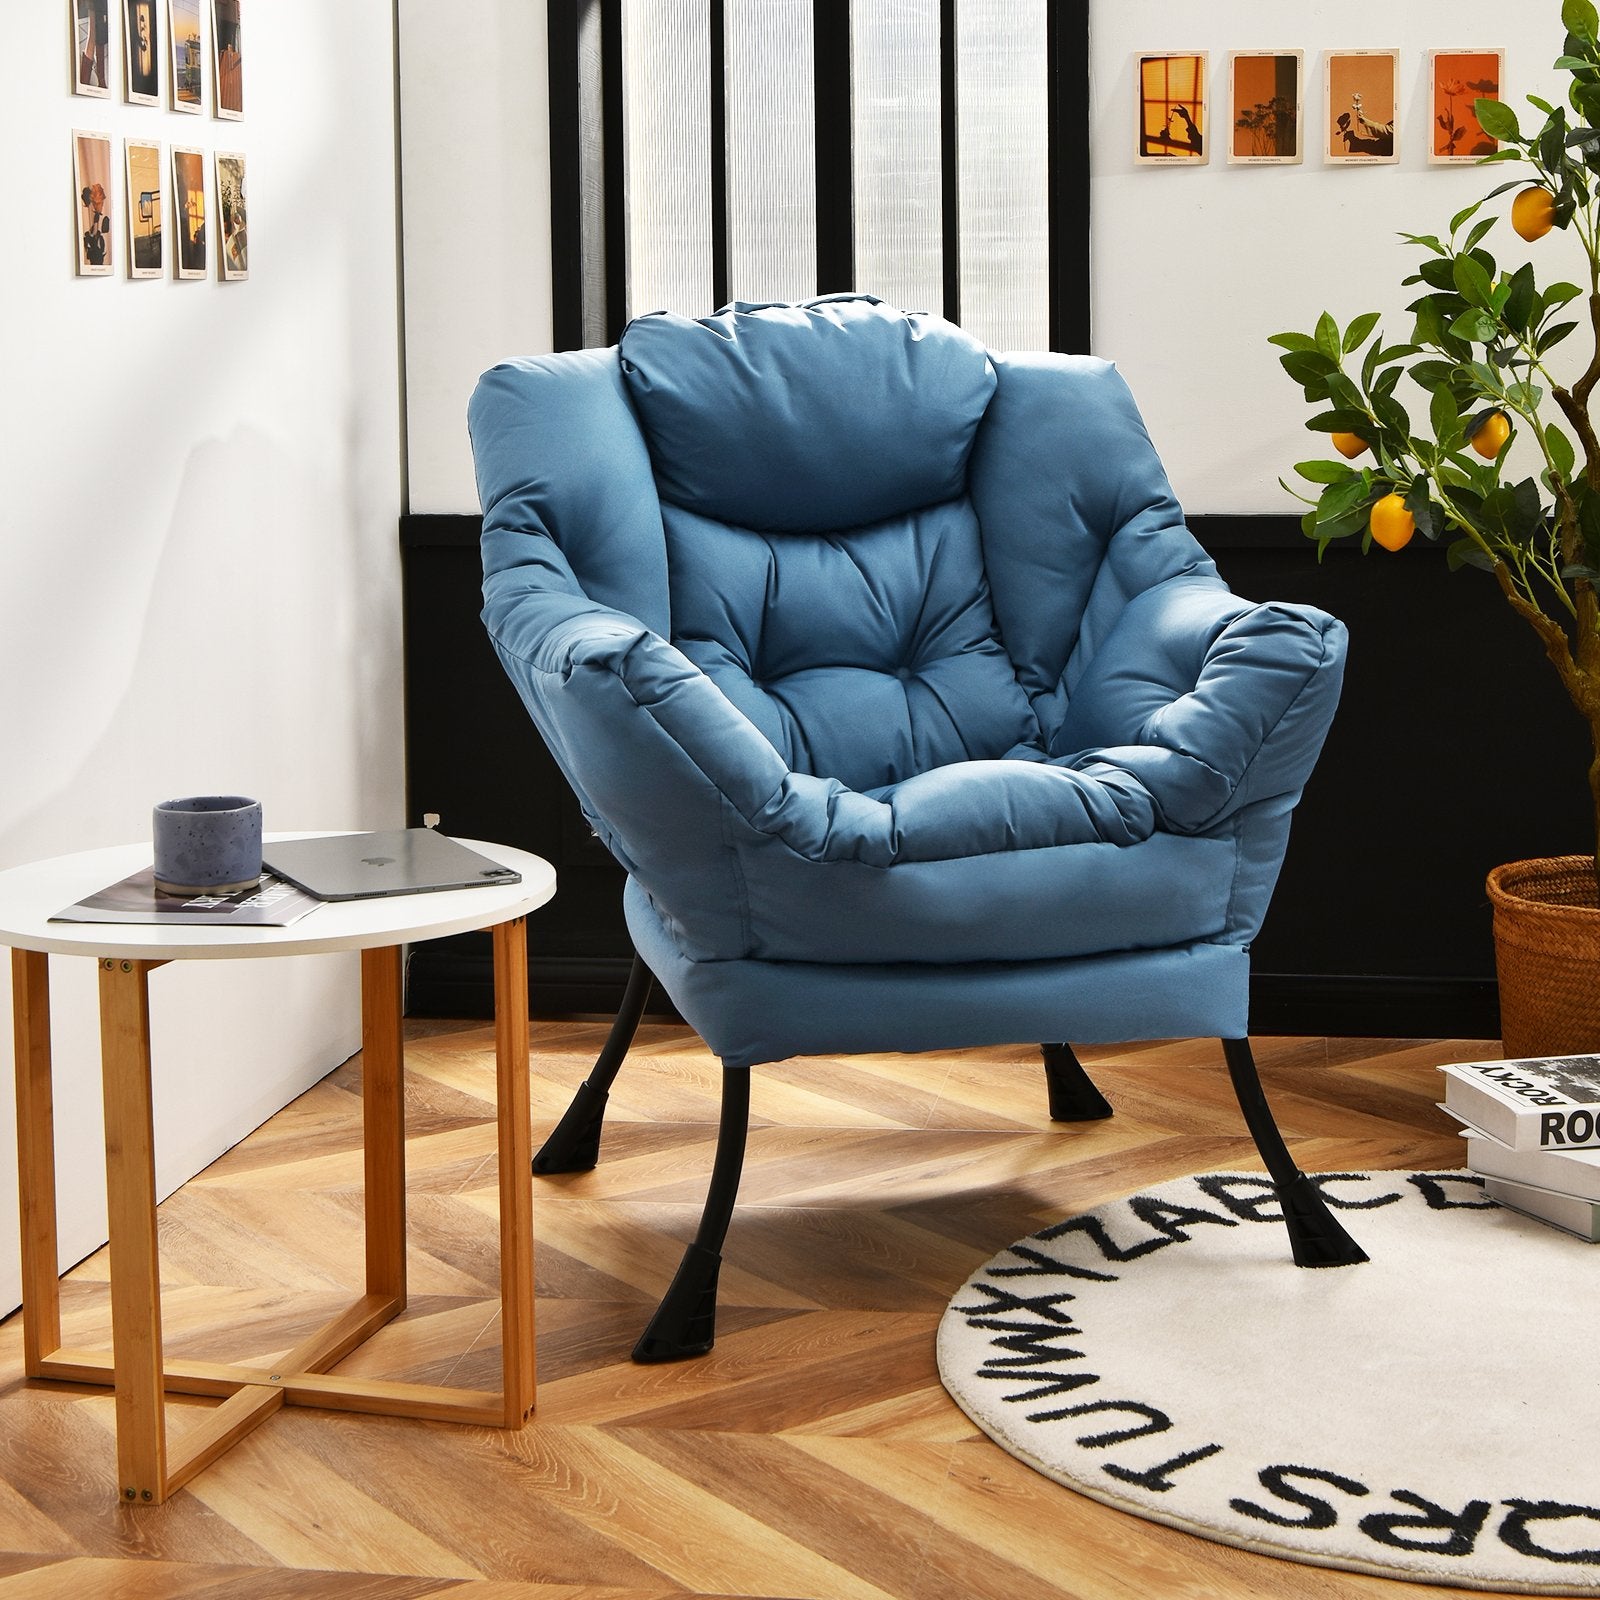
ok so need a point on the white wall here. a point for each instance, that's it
(199, 574)
(475, 144)
(1193, 267)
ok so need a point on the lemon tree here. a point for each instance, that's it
(1477, 351)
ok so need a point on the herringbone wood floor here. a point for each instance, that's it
(812, 1454)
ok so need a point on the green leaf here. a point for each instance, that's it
(1343, 393)
(1527, 515)
(1328, 338)
(1562, 456)
(1341, 500)
(1438, 274)
(1293, 341)
(1465, 553)
(1444, 419)
(1426, 240)
(1306, 366)
(1519, 302)
(1465, 214)
(1431, 374)
(1570, 63)
(1589, 526)
(1472, 280)
(1478, 327)
(1356, 422)
(1479, 229)
(1419, 502)
(1580, 17)
(1392, 414)
(1356, 334)
(1497, 119)
(1541, 105)
(1554, 335)
(1325, 472)
(1558, 294)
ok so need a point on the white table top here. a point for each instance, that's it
(32, 894)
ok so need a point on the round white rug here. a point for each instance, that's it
(1431, 1414)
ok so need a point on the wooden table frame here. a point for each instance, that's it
(147, 1472)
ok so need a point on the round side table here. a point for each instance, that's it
(126, 954)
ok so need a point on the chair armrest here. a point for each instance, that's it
(1211, 701)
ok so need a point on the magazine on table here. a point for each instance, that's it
(1565, 1211)
(1576, 1172)
(272, 903)
(1542, 1103)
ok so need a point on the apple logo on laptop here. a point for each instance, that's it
(377, 861)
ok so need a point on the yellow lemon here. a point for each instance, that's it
(1349, 444)
(1491, 434)
(1533, 212)
(1392, 525)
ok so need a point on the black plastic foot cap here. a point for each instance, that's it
(1316, 1236)
(685, 1323)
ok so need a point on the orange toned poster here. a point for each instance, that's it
(1266, 102)
(1361, 126)
(1172, 109)
(1457, 79)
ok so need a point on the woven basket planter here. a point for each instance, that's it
(1547, 955)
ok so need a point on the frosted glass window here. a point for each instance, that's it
(592, 173)
(666, 111)
(1003, 140)
(899, 242)
(768, 48)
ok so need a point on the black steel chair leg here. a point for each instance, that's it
(1073, 1096)
(685, 1322)
(1315, 1234)
(574, 1143)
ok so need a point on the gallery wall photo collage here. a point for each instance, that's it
(160, 54)
(1262, 113)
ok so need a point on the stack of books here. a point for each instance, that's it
(1533, 1134)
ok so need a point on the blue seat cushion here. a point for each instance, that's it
(867, 656)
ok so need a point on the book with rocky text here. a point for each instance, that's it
(1541, 1103)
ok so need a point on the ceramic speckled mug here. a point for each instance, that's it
(206, 844)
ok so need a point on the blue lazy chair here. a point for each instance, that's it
(886, 667)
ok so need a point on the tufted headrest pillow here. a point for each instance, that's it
(806, 418)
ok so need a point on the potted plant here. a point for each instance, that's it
(1485, 350)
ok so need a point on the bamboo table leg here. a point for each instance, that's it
(516, 1172)
(131, 1215)
(383, 1122)
(36, 1159)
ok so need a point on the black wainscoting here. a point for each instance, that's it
(1454, 749)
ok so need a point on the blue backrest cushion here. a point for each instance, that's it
(806, 418)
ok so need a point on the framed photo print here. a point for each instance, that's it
(183, 18)
(233, 243)
(227, 59)
(1266, 96)
(146, 235)
(141, 52)
(1457, 79)
(91, 183)
(91, 48)
(1172, 110)
(1362, 129)
(189, 211)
